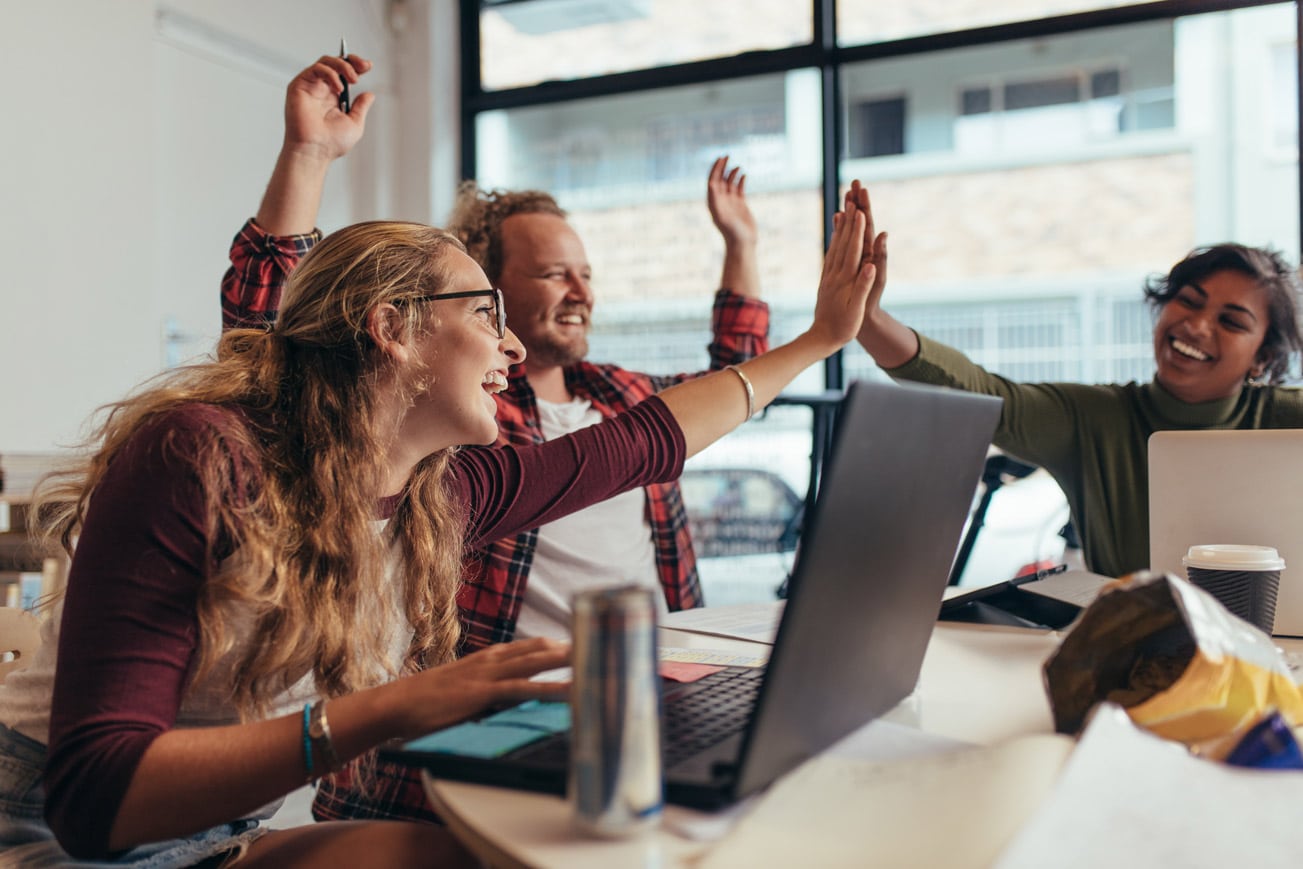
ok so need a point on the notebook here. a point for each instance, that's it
(873, 562)
(1230, 487)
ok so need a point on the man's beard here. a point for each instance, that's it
(550, 350)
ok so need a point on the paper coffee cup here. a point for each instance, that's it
(1244, 579)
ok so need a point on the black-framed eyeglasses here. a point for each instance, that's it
(499, 310)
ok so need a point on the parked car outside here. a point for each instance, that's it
(744, 497)
(745, 525)
(745, 504)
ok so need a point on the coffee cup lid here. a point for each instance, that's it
(1231, 556)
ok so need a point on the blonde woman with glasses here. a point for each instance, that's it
(269, 545)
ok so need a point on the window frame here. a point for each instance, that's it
(822, 53)
(828, 58)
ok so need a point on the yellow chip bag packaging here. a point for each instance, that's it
(1170, 654)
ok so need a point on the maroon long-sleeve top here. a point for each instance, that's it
(129, 632)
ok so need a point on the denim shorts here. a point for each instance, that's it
(27, 841)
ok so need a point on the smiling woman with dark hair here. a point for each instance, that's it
(1265, 269)
(1225, 334)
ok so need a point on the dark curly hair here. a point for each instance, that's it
(477, 217)
(1277, 277)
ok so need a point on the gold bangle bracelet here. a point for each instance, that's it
(320, 738)
(746, 384)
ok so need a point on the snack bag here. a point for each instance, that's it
(1180, 664)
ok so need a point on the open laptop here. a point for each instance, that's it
(1230, 487)
(874, 559)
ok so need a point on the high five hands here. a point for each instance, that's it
(849, 271)
(875, 246)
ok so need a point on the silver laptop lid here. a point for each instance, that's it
(875, 558)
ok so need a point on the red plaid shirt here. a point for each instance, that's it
(260, 263)
(494, 581)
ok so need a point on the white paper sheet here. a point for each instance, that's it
(757, 622)
(942, 806)
(877, 741)
(1130, 799)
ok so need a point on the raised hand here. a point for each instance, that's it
(317, 132)
(887, 340)
(875, 245)
(848, 275)
(727, 201)
(313, 120)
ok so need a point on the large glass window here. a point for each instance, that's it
(1284, 92)
(1030, 185)
(631, 172)
(1043, 180)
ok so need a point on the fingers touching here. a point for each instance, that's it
(844, 287)
(874, 243)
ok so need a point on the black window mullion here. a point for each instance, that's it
(472, 85)
(825, 34)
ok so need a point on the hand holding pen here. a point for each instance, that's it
(318, 131)
(343, 96)
(321, 120)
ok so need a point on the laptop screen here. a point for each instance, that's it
(873, 565)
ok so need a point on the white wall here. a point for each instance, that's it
(137, 138)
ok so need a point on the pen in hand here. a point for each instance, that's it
(344, 103)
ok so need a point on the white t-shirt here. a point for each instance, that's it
(609, 543)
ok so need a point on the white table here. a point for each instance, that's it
(980, 684)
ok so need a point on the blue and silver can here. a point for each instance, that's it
(616, 787)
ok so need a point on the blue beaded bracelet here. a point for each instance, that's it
(307, 740)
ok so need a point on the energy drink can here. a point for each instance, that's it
(616, 787)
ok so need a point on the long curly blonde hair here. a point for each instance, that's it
(292, 487)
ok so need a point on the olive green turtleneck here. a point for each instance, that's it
(1094, 440)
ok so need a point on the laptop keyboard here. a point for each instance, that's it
(700, 714)
(696, 715)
